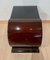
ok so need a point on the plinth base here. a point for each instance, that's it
(25, 49)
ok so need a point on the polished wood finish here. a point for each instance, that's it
(25, 28)
(25, 32)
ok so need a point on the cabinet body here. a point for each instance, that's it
(25, 27)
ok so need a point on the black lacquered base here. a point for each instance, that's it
(25, 50)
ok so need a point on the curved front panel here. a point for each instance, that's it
(24, 33)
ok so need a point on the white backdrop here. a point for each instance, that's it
(7, 5)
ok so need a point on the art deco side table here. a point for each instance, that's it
(25, 29)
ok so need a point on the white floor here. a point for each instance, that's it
(5, 49)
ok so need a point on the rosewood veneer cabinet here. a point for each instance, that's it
(25, 29)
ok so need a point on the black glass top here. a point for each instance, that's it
(25, 12)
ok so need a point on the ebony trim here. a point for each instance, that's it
(25, 50)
